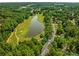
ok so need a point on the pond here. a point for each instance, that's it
(35, 27)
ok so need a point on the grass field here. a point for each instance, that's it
(40, 17)
(19, 34)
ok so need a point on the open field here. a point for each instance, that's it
(19, 34)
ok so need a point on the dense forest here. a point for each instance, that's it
(22, 35)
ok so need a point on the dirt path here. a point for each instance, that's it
(45, 49)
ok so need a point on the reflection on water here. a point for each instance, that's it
(35, 27)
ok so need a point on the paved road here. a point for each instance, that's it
(45, 49)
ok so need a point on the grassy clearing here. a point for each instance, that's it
(20, 31)
(40, 17)
(19, 34)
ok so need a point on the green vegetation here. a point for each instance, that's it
(15, 20)
(40, 17)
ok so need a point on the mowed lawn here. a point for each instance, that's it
(20, 32)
